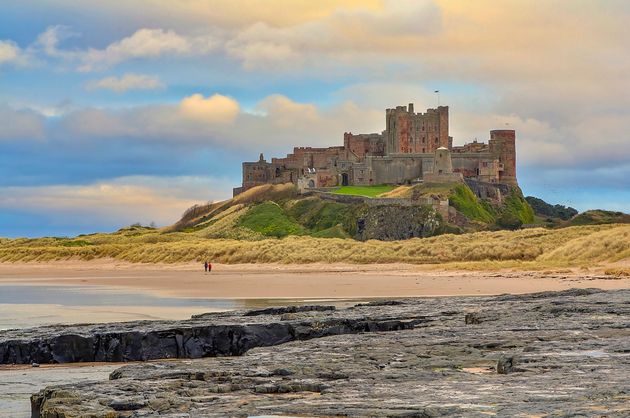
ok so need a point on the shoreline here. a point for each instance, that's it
(309, 281)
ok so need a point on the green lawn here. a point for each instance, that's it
(367, 191)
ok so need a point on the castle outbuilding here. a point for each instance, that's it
(414, 147)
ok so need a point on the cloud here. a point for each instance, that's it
(49, 40)
(223, 13)
(144, 43)
(344, 35)
(21, 124)
(127, 82)
(10, 53)
(213, 109)
(118, 201)
(275, 124)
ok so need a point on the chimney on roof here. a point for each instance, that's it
(410, 107)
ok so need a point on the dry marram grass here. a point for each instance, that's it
(528, 248)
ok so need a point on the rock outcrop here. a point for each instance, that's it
(545, 354)
(230, 334)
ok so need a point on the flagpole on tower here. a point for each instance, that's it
(438, 96)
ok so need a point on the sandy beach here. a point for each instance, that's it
(256, 281)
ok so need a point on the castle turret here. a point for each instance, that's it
(502, 146)
(443, 168)
(442, 163)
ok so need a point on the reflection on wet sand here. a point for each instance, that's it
(23, 306)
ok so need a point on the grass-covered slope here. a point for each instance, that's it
(270, 219)
(511, 213)
(465, 201)
(599, 217)
(319, 215)
(270, 211)
(546, 210)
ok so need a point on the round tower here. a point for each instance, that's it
(442, 163)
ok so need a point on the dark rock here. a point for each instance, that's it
(289, 309)
(149, 340)
(505, 365)
(282, 372)
(472, 318)
(127, 404)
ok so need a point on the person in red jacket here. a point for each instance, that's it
(209, 267)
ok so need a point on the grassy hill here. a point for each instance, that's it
(273, 224)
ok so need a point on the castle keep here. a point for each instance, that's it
(413, 147)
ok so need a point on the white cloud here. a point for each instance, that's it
(144, 43)
(127, 82)
(10, 52)
(49, 40)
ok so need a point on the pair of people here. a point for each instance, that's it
(207, 266)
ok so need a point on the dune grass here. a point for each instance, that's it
(535, 248)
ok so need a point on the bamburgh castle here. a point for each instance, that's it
(413, 147)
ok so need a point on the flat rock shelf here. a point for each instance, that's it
(545, 354)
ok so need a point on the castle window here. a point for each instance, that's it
(485, 164)
(436, 139)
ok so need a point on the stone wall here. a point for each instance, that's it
(398, 169)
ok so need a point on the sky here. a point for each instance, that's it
(115, 112)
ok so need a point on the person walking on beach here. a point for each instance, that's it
(209, 267)
(205, 266)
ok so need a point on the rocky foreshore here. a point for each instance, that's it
(546, 354)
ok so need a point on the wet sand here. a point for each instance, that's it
(313, 281)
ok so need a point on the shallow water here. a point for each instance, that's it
(23, 306)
